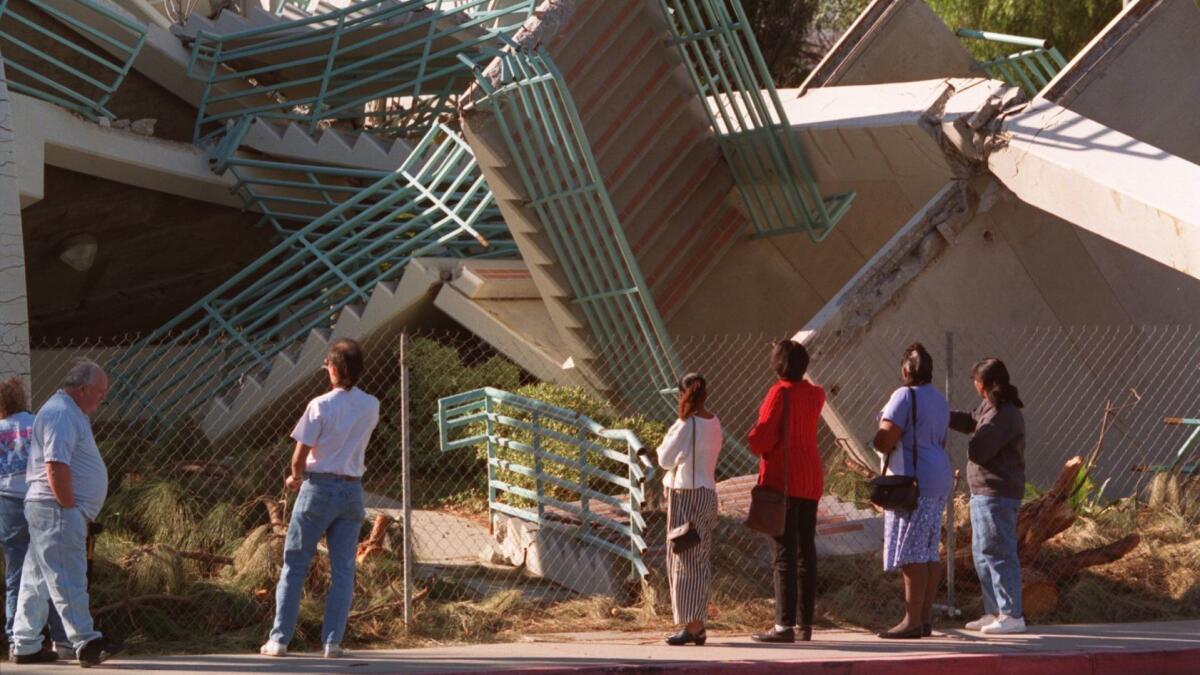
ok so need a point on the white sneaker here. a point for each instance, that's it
(333, 651)
(65, 652)
(1004, 625)
(982, 621)
(273, 649)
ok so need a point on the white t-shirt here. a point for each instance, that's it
(675, 453)
(338, 426)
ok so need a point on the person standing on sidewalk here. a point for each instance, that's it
(67, 483)
(912, 436)
(688, 455)
(996, 476)
(16, 431)
(785, 440)
(326, 469)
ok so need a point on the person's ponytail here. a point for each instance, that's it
(993, 374)
(693, 391)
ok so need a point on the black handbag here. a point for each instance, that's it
(768, 508)
(685, 536)
(899, 493)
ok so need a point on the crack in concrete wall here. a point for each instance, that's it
(14, 305)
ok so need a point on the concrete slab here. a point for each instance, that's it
(1167, 648)
(1104, 181)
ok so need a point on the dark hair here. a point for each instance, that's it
(789, 360)
(346, 357)
(993, 374)
(916, 366)
(12, 397)
(693, 391)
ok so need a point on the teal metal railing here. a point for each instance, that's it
(555, 467)
(549, 149)
(390, 64)
(64, 67)
(772, 175)
(303, 283)
(1031, 69)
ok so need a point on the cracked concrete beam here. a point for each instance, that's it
(14, 306)
(1103, 181)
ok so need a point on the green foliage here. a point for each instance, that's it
(1068, 25)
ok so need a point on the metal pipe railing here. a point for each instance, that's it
(1031, 69)
(533, 449)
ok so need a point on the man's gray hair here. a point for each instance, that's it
(82, 373)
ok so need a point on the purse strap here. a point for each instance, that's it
(912, 417)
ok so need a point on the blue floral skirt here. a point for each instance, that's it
(914, 536)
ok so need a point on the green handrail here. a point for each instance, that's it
(300, 285)
(83, 83)
(1030, 69)
(534, 449)
(563, 186)
(390, 64)
(778, 188)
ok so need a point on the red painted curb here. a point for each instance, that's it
(1174, 662)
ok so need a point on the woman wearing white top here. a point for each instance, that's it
(327, 467)
(688, 453)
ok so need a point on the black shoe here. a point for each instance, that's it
(926, 629)
(43, 656)
(910, 634)
(805, 634)
(98, 651)
(775, 636)
(684, 636)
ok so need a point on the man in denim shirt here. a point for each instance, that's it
(67, 483)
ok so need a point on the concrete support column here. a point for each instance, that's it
(14, 309)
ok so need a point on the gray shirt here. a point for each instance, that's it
(996, 450)
(63, 433)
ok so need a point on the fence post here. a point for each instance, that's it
(952, 609)
(537, 467)
(406, 481)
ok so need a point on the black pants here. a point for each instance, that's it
(796, 564)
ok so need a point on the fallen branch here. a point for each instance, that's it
(1067, 567)
(211, 468)
(387, 605)
(139, 600)
(374, 543)
(275, 514)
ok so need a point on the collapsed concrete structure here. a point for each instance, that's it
(616, 214)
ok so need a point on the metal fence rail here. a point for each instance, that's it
(390, 64)
(85, 89)
(1031, 69)
(545, 138)
(302, 283)
(545, 455)
(780, 193)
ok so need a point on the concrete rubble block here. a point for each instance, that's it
(144, 127)
(555, 554)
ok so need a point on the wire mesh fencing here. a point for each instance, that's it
(536, 513)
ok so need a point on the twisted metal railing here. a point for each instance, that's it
(78, 75)
(387, 64)
(553, 467)
(304, 282)
(563, 186)
(781, 195)
(1031, 69)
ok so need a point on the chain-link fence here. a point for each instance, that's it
(192, 540)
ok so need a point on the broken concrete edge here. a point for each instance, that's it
(549, 19)
(1105, 45)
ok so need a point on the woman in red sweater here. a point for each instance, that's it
(785, 440)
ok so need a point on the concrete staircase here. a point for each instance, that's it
(359, 149)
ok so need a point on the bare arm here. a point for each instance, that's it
(58, 475)
(887, 437)
(299, 458)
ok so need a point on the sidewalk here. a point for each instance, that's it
(1108, 649)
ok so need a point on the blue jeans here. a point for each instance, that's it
(326, 507)
(14, 539)
(55, 569)
(994, 545)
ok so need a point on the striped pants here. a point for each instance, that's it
(689, 573)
